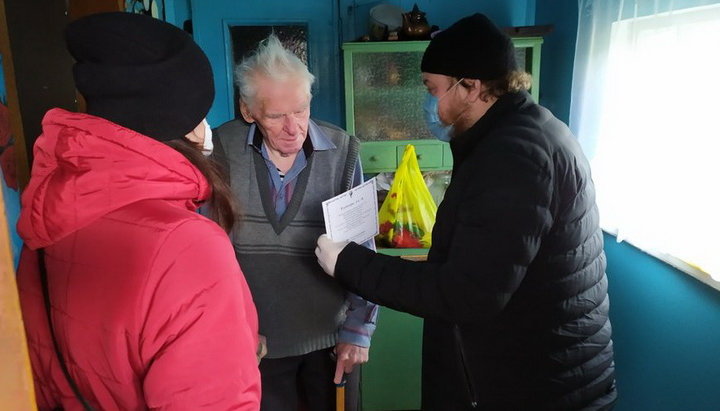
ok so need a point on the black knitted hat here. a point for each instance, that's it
(141, 73)
(473, 48)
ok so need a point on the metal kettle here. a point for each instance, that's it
(415, 25)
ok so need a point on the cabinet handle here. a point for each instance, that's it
(373, 158)
(419, 156)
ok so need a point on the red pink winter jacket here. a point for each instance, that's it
(149, 305)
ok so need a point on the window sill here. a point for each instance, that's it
(688, 269)
(674, 262)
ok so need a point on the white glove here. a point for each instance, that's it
(327, 252)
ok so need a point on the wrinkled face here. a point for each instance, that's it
(282, 111)
(449, 93)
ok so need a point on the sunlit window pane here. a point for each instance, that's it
(657, 164)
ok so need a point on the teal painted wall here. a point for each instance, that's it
(666, 329)
(558, 54)
(210, 27)
(330, 23)
(666, 324)
(354, 14)
(3, 92)
(177, 11)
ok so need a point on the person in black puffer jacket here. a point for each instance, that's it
(514, 291)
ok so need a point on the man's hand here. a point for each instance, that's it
(348, 355)
(327, 252)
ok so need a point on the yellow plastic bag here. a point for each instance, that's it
(407, 215)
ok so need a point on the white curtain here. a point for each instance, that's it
(646, 108)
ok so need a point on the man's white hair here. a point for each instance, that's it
(272, 61)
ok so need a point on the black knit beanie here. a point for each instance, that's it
(473, 48)
(141, 73)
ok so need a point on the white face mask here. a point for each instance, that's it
(207, 142)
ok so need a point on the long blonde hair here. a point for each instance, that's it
(516, 80)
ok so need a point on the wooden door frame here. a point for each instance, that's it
(16, 125)
(74, 9)
(16, 382)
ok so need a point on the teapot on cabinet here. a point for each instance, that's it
(415, 26)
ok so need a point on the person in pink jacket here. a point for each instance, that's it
(149, 307)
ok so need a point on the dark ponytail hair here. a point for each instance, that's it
(224, 209)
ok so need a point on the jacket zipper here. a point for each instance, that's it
(465, 368)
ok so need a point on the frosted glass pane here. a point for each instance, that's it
(388, 95)
(521, 57)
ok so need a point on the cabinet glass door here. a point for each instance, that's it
(387, 88)
(384, 95)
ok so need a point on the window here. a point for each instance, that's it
(654, 135)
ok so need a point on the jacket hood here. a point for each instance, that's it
(85, 167)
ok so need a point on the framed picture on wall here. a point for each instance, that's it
(243, 39)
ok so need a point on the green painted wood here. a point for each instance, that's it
(391, 379)
(447, 156)
(384, 156)
(385, 46)
(429, 155)
(349, 93)
(404, 251)
(378, 157)
(535, 70)
(533, 44)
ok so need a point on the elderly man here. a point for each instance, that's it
(282, 165)
(514, 292)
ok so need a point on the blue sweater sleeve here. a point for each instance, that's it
(360, 322)
(361, 314)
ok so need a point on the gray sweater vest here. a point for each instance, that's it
(300, 308)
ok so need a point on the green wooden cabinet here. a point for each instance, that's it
(384, 95)
(383, 103)
(391, 379)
